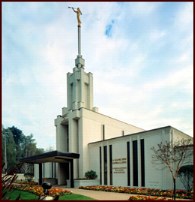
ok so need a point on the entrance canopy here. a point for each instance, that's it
(53, 156)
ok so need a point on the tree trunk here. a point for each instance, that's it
(174, 189)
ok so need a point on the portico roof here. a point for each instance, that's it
(53, 156)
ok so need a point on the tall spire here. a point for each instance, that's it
(79, 61)
(79, 40)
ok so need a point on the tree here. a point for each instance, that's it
(173, 155)
(15, 145)
(29, 146)
(19, 139)
(30, 149)
(9, 149)
(186, 176)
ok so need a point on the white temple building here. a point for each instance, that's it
(119, 153)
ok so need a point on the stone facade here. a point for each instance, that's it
(119, 152)
(129, 159)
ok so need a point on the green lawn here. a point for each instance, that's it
(24, 195)
(75, 197)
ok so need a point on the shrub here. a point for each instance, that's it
(29, 176)
(91, 174)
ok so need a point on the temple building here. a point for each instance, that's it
(119, 153)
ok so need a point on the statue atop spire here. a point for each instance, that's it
(79, 61)
(78, 12)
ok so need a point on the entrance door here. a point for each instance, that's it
(63, 173)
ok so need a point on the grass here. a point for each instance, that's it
(24, 195)
(75, 197)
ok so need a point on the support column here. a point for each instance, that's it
(40, 174)
(73, 141)
(71, 174)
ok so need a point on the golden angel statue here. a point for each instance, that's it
(78, 12)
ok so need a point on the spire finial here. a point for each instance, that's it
(79, 61)
(78, 12)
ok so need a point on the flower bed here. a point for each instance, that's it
(141, 191)
(146, 198)
(25, 182)
(38, 190)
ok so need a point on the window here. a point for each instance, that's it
(100, 153)
(110, 161)
(142, 163)
(103, 132)
(135, 164)
(128, 164)
(105, 165)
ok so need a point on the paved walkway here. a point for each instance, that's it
(100, 195)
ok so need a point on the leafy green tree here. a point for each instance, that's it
(15, 145)
(39, 151)
(29, 146)
(19, 139)
(9, 149)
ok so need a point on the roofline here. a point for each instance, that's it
(52, 154)
(141, 132)
(111, 118)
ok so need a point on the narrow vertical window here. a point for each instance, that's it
(110, 162)
(128, 164)
(142, 163)
(100, 151)
(105, 165)
(103, 132)
(67, 138)
(71, 95)
(135, 164)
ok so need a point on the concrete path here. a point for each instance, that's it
(100, 195)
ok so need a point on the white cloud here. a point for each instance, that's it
(184, 16)
(157, 35)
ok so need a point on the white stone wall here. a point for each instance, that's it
(91, 130)
(61, 135)
(79, 89)
(156, 176)
(81, 129)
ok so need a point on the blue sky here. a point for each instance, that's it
(140, 54)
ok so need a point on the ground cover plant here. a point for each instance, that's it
(38, 190)
(147, 198)
(75, 197)
(13, 189)
(182, 194)
(26, 195)
(21, 195)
